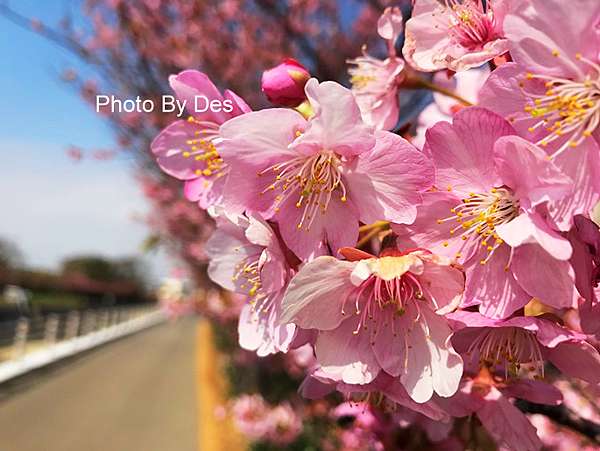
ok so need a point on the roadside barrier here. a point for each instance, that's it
(42, 341)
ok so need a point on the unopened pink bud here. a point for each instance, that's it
(284, 84)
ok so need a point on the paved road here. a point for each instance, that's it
(137, 394)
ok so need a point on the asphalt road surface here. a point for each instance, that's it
(136, 394)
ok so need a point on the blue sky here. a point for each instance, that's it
(51, 207)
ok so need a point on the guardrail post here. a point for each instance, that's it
(88, 323)
(104, 321)
(114, 317)
(20, 341)
(51, 328)
(72, 325)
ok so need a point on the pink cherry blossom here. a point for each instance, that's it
(381, 315)
(488, 399)
(521, 344)
(318, 178)
(551, 92)
(489, 214)
(374, 81)
(366, 427)
(246, 257)
(186, 149)
(284, 425)
(250, 415)
(279, 425)
(453, 34)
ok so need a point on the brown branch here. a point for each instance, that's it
(564, 417)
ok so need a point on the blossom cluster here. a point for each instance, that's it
(279, 425)
(442, 269)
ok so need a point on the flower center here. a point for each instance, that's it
(567, 107)
(311, 181)
(470, 25)
(478, 216)
(391, 287)
(360, 77)
(370, 75)
(509, 347)
(248, 271)
(202, 151)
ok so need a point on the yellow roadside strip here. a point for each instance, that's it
(214, 434)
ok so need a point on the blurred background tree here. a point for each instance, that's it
(10, 256)
(105, 270)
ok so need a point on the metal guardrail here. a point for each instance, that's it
(40, 341)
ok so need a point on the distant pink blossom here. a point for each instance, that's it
(366, 427)
(75, 154)
(375, 82)
(381, 314)
(285, 425)
(222, 307)
(454, 34)
(259, 421)
(250, 416)
(466, 84)
(318, 178)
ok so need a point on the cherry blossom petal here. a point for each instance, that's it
(443, 284)
(341, 352)
(543, 181)
(543, 277)
(169, 146)
(463, 152)
(386, 182)
(191, 84)
(576, 359)
(315, 296)
(337, 124)
(531, 228)
(542, 46)
(534, 391)
(507, 424)
(496, 289)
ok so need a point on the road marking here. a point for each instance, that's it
(214, 434)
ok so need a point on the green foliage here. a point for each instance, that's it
(102, 269)
(66, 301)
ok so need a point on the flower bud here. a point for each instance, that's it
(284, 84)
